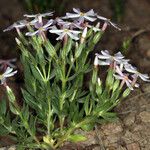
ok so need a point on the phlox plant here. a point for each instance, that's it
(56, 98)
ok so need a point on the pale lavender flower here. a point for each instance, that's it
(38, 18)
(41, 28)
(109, 59)
(7, 63)
(124, 77)
(81, 16)
(65, 32)
(136, 73)
(14, 26)
(71, 25)
(20, 25)
(8, 73)
(107, 22)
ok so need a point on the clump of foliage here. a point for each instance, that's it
(56, 100)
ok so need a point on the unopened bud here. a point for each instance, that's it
(76, 45)
(99, 81)
(116, 85)
(98, 25)
(97, 37)
(18, 41)
(11, 95)
(98, 87)
(84, 35)
(72, 59)
(126, 93)
(96, 61)
(104, 26)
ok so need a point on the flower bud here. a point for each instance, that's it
(99, 81)
(98, 87)
(104, 26)
(96, 61)
(97, 37)
(116, 85)
(126, 93)
(18, 41)
(84, 35)
(94, 76)
(11, 95)
(79, 50)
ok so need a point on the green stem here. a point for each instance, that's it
(72, 129)
(26, 125)
(49, 117)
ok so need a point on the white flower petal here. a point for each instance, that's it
(103, 63)
(61, 36)
(90, 18)
(101, 18)
(118, 77)
(105, 53)
(32, 33)
(10, 74)
(8, 70)
(90, 13)
(48, 23)
(114, 25)
(75, 32)
(76, 10)
(73, 36)
(56, 31)
(70, 15)
(29, 16)
(119, 71)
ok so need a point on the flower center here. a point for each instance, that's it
(1, 76)
(82, 14)
(66, 30)
(41, 28)
(126, 78)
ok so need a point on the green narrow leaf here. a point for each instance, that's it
(109, 116)
(88, 127)
(77, 138)
(126, 93)
(79, 50)
(10, 94)
(2, 107)
(37, 74)
(13, 109)
(97, 37)
(86, 105)
(50, 49)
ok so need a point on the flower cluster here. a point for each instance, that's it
(70, 25)
(122, 69)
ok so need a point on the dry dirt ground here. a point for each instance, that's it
(132, 130)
